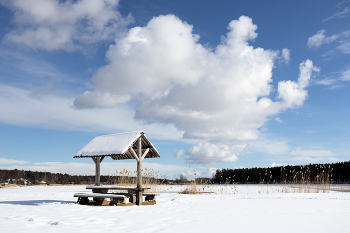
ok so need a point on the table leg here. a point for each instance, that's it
(138, 197)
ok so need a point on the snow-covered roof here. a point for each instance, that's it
(117, 146)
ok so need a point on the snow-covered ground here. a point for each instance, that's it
(252, 208)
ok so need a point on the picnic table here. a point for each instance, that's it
(100, 193)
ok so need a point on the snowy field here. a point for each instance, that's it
(238, 208)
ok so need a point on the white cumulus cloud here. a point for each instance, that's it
(319, 38)
(207, 152)
(220, 96)
(64, 25)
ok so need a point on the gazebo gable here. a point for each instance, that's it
(131, 151)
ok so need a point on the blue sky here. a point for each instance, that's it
(213, 84)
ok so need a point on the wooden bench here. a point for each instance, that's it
(100, 199)
(132, 197)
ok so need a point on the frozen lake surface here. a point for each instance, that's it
(252, 208)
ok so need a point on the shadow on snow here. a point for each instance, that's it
(37, 202)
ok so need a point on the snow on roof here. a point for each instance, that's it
(117, 146)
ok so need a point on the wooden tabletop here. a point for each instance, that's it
(104, 195)
(104, 187)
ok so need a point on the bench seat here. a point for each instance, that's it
(132, 196)
(127, 194)
(150, 194)
(99, 198)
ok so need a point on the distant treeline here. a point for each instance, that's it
(313, 173)
(35, 177)
(22, 177)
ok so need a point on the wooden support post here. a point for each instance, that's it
(139, 174)
(97, 161)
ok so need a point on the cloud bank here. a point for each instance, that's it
(312, 156)
(12, 161)
(55, 112)
(218, 96)
(69, 25)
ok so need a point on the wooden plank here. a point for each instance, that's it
(97, 203)
(126, 204)
(149, 203)
(104, 187)
(129, 154)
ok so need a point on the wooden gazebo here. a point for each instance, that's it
(131, 145)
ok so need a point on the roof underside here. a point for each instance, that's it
(117, 146)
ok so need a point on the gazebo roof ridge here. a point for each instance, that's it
(108, 135)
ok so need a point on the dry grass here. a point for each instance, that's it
(128, 178)
(191, 189)
(195, 187)
(302, 182)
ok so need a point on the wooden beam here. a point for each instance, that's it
(135, 147)
(97, 161)
(145, 153)
(139, 173)
(134, 154)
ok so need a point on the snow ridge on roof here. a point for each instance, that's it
(109, 144)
